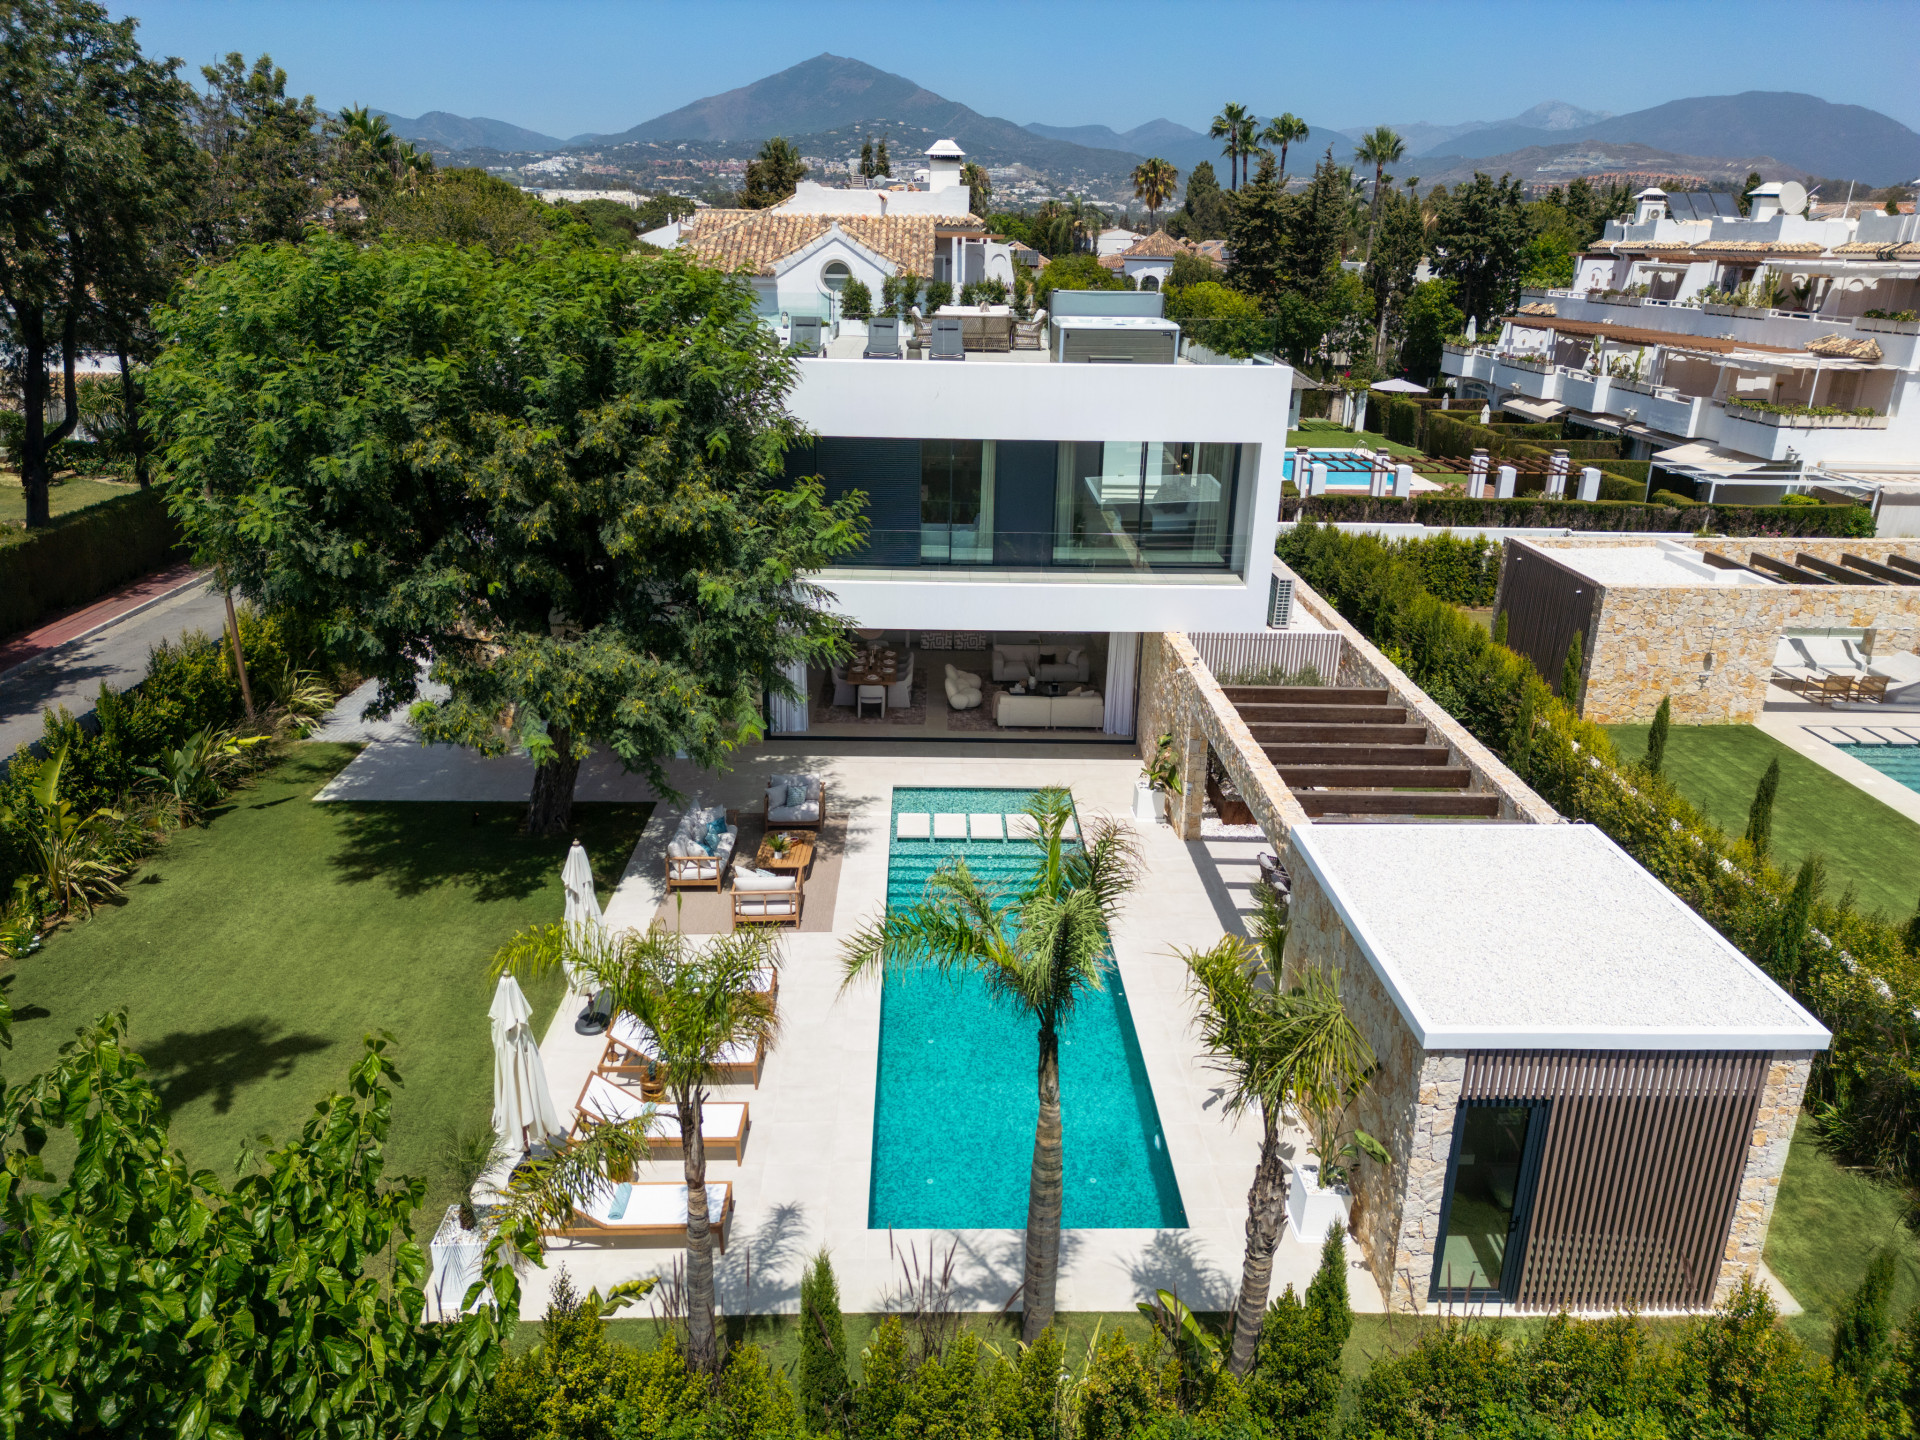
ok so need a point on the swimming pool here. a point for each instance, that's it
(1896, 762)
(955, 1101)
(1336, 479)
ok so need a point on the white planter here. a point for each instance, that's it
(1149, 804)
(854, 327)
(1311, 1209)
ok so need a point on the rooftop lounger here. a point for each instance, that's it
(987, 827)
(630, 1046)
(806, 332)
(656, 1208)
(723, 1123)
(883, 338)
(947, 826)
(949, 342)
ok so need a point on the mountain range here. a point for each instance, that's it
(831, 102)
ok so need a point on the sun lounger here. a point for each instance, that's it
(1871, 688)
(949, 827)
(723, 1123)
(913, 826)
(657, 1209)
(987, 827)
(1829, 689)
(630, 1046)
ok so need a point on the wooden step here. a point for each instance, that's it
(1307, 694)
(1270, 734)
(1342, 777)
(1369, 754)
(1874, 567)
(1398, 802)
(1323, 714)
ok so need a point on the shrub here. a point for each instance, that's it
(1026, 1398)
(83, 555)
(1457, 511)
(823, 1346)
(856, 301)
(1295, 1389)
(1121, 1393)
(939, 292)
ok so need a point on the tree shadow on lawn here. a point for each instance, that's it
(417, 846)
(190, 1064)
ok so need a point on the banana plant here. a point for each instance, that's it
(74, 851)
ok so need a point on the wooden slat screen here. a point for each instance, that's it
(1546, 605)
(1639, 1169)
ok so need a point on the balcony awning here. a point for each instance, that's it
(1699, 455)
(1535, 409)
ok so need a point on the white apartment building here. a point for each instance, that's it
(1769, 346)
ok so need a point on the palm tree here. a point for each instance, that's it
(1380, 148)
(1284, 130)
(979, 187)
(697, 1004)
(1041, 949)
(1153, 185)
(1279, 1050)
(1230, 125)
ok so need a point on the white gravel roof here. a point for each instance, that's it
(1645, 565)
(1547, 936)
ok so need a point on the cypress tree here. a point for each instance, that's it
(823, 1348)
(1657, 736)
(1327, 1295)
(1760, 813)
(866, 159)
(1912, 936)
(1500, 628)
(886, 1382)
(1570, 674)
(1861, 1345)
(1786, 956)
(1520, 744)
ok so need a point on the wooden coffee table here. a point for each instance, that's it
(798, 857)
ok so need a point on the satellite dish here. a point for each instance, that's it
(1793, 197)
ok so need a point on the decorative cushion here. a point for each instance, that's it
(1074, 657)
(710, 837)
(776, 797)
(753, 880)
(796, 796)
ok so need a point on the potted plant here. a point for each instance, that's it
(779, 845)
(1159, 778)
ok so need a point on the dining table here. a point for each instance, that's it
(873, 667)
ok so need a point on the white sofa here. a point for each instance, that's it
(1065, 662)
(1050, 711)
(963, 689)
(689, 862)
(779, 812)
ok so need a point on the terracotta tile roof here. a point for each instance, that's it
(758, 240)
(1637, 335)
(1159, 244)
(1760, 247)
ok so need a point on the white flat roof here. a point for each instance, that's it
(1111, 322)
(1646, 565)
(1542, 936)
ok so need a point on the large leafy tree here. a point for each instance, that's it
(773, 174)
(1481, 241)
(148, 1298)
(697, 1001)
(265, 159)
(556, 477)
(94, 166)
(1204, 213)
(1040, 948)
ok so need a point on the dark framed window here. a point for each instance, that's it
(1492, 1172)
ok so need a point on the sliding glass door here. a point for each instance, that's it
(1490, 1184)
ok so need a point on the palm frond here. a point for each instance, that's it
(547, 1192)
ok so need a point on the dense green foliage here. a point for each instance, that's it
(1855, 973)
(79, 557)
(1759, 521)
(772, 175)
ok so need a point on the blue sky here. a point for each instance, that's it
(568, 68)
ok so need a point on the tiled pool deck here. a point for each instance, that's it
(804, 1182)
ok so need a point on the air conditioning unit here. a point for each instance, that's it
(1280, 603)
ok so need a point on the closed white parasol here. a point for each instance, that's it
(523, 1113)
(583, 906)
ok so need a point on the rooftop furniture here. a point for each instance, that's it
(782, 811)
(806, 334)
(982, 327)
(870, 695)
(900, 692)
(656, 1208)
(798, 857)
(883, 338)
(761, 897)
(922, 336)
(1031, 334)
(1056, 712)
(987, 827)
(913, 825)
(630, 1048)
(949, 340)
(963, 689)
(948, 826)
(694, 861)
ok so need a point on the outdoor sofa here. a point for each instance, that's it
(701, 848)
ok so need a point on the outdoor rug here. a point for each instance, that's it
(709, 912)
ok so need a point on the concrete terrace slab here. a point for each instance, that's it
(805, 1181)
(1546, 935)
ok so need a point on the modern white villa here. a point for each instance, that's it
(1747, 353)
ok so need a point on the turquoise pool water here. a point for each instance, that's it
(955, 1102)
(1896, 762)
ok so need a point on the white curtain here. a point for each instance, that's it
(789, 717)
(1123, 658)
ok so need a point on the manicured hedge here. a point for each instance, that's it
(1756, 521)
(1856, 973)
(83, 555)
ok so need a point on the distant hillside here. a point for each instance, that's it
(1425, 139)
(1186, 148)
(1805, 133)
(456, 132)
(1559, 164)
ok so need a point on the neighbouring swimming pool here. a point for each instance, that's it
(955, 1102)
(1336, 479)
(1896, 762)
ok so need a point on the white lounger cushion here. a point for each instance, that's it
(949, 827)
(632, 1035)
(769, 906)
(745, 879)
(987, 827)
(654, 1203)
(605, 1100)
(719, 1120)
(913, 825)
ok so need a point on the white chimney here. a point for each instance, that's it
(1763, 201)
(944, 159)
(1650, 205)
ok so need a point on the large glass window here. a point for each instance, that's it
(1488, 1198)
(956, 502)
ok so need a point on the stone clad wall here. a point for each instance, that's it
(1408, 1107)
(1773, 1122)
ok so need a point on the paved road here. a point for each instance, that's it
(116, 656)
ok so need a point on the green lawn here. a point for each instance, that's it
(254, 954)
(1828, 1224)
(1326, 435)
(68, 495)
(1866, 844)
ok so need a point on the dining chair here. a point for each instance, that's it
(870, 695)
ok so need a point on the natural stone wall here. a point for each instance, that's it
(1408, 1107)
(1773, 1123)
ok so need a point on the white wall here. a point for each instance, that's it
(1004, 400)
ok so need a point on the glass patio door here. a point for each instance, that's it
(1490, 1184)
